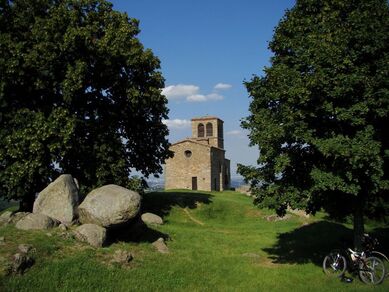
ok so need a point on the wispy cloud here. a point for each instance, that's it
(222, 86)
(180, 91)
(203, 98)
(234, 133)
(177, 124)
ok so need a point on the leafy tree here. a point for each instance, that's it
(79, 94)
(320, 112)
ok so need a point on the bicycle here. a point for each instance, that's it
(369, 244)
(371, 270)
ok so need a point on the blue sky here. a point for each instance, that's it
(208, 48)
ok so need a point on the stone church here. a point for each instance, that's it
(199, 162)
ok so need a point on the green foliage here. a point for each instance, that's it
(319, 112)
(29, 144)
(137, 184)
(79, 94)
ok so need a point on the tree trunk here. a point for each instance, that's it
(27, 203)
(359, 228)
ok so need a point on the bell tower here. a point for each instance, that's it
(208, 130)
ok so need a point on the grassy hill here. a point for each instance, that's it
(217, 242)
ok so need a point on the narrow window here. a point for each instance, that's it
(209, 130)
(200, 130)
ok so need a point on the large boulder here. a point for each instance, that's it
(59, 200)
(150, 218)
(109, 206)
(16, 217)
(36, 221)
(91, 233)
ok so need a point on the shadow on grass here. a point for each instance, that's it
(137, 231)
(310, 243)
(382, 234)
(159, 203)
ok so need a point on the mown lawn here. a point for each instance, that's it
(217, 242)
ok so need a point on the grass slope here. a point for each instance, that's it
(218, 242)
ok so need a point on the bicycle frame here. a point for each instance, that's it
(371, 269)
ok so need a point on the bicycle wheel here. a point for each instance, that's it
(334, 264)
(372, 270)
(384, 258)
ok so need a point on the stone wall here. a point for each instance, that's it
(216, 139)
(199, 162)
(220, 170)
(180, 169)
(217, 158)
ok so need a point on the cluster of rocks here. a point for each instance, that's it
(244, 189)
(103, 209)
(275, 218)
(21, 261)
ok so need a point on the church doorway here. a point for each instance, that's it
(194, 183)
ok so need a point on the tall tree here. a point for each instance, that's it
(79, 94)
(320, 112)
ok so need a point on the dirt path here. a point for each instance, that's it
(191, 217)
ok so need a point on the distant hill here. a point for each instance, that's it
(156, 184)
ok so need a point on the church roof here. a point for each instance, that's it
(196, 142)
(206, 118)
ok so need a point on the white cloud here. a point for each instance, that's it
(190, 92)
(196, 98)
(234, 133)
(180, 90)
(202, 98)
(222, 86)
(177, 124)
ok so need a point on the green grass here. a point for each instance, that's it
(218, 242)
(12, 206)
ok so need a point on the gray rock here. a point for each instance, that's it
(150, 218)
(272, 218)
(63, 227)
(122, 257)
(26, 248)
(91, 233)
(298, 212)
(59, 200)
(66, 235)
(36, 221)
(244, 189)
(16, 217)
(109, 206)
(76, 183)
(160, 245)
(5, 218)
(21, 262)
